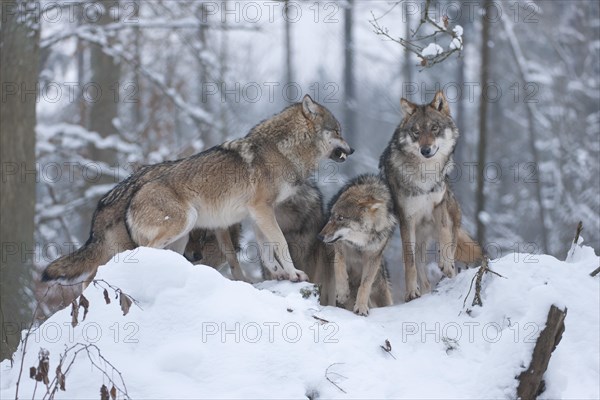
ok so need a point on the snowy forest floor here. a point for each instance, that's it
(191, 333)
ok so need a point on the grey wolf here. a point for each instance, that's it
(300, 218)
(159, 205)
(416, 164)
(361, 223)
(108, 233)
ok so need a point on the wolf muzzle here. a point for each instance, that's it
(327, 239)
(340, 154)
(428, 151)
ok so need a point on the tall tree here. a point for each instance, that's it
(349, 92)
(138, 114)
(521, 64)
(105, 75)
(209, 135)
(483, 107)
(289, 67)
(19, 57)
(407, 65)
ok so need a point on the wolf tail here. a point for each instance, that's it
(467, 249)
(77, 266)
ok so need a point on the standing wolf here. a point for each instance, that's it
(416, 164)
(361, 223)
(214, 189)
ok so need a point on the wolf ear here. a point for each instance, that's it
(408, 108)
(372, 204)
(440, 103)
(309, 108)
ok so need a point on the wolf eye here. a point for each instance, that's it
(339, 218)
(334, 132)
(435, 129)
(415, 133)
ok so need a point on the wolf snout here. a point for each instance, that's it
(428, 151)
(326, 237)
(341, 153)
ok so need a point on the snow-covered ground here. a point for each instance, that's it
(196, 334)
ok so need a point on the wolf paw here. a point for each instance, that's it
(342, 293)
(412, 294)
(342, 297)
(425, 286)
(298, 276)
(279, 274)
(361, 309)
(448, 270)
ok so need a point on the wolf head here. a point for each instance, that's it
(327, 130)
(428, 131)
(356, 217)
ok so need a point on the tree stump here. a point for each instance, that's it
(531, 382)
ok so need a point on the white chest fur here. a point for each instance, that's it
(420, 207)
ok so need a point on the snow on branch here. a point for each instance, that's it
(426, 46)
(98, 36)
(198, 114)
(186, 23)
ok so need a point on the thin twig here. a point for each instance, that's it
(478, 278)
(75, 350)
(410, 44)
(323, 321)
(335, 373)
(578, 232)
(31, 329)
(388, 348)
(24, 342)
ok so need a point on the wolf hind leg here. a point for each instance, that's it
(156, 218)
(175, 234)
(228, 249)
(381, 295)
(178, 246)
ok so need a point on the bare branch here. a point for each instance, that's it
(416, 43)
(327, 376)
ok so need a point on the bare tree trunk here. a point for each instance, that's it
(465, 22)
(408, 67)
(289, 68)
(208, 135)
(464, 150)
(138, 115)
(19, 57)
(223, 55)
(483, 107)
(81, 104)
(518, 55)
(105, 75)
(349, 94)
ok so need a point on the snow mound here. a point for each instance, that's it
(196, 334)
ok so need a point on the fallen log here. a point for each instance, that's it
(531, 382)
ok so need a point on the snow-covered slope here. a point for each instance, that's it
(199, 335)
